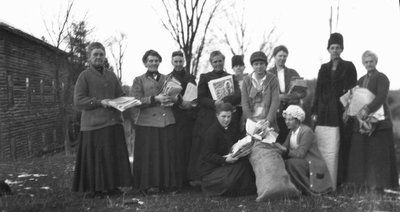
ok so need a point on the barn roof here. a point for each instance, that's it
(6, 27)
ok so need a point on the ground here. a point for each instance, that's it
(43, 184)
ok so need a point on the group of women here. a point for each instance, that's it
(180, 142)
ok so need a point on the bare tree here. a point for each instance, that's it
(188, 23)
(233, 28)
(117, 45)
(58, 31)
(268, 43)
(334, 22)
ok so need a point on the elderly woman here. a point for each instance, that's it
(335, 78)
(206, 114)
(221, 173)
(154, 165)
(372, 161)
(102, 163)
(260, 101)
(285, 75)
(304, 163)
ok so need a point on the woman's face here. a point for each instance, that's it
(260, 68)
(178, 63)
(218, 63)
(97, 57)
(280, 58)
(369, 63)
(152, 63)
(335, 50)
(224, 118)
(291, 122)
(238, 69)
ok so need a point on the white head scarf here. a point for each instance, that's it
(295, 111)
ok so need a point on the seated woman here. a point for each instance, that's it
(221, 173)
(304, 163)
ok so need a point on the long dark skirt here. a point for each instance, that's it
(230, 180)
(102, 161)
(372, 160)
(155, 162)
(299, 172)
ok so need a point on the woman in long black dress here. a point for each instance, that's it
(154, 165)
(221, 173)
(372, 160)
(184, 113)
(102, 163)
(206, 114)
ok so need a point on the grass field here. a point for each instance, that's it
(43, 184)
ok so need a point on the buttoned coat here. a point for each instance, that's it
(151, 114)
(307, 149)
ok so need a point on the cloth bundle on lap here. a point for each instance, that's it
(272, 180)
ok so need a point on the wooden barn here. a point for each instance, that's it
(33, 88)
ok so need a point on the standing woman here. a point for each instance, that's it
(372, 160)
(102, 163)
(206, 115)
(335, 78)
(285, 75)
(184, 113)
(260, 92)
(154, 165)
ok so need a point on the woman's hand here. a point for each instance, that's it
(230, 159)
(280, 147)
(186, 104)
(105, 103)
(162, 98)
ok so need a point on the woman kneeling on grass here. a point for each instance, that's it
(304, 163)
(221, 173)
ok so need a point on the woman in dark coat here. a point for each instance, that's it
(102, 163)
(185, 114)
(154, 165)
(304, 163)
(284, 75)
(206, 114)
(334, 79)
(372, 160)
(221, 173)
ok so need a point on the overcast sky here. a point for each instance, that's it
(301, 25)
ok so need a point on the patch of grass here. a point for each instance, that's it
(55, 172)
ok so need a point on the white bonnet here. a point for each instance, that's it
(295, 111)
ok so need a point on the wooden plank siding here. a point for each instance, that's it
(32, 114)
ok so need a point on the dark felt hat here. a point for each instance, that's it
(335, 38)
(237, 60)
(258, 56)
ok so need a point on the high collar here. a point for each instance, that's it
(372, 72)
(178, 73)
(219, 73)
(155, 75)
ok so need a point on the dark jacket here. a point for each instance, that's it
(320, 179)
(379, 85)
(330, 87)
(293, 98)
(206, 114)
(92, 87)
(151, 113)
(217, 143)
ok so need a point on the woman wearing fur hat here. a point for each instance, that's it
(102, 163)
(304, 163)
(335, 78)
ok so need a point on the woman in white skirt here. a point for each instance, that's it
(333, 134)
